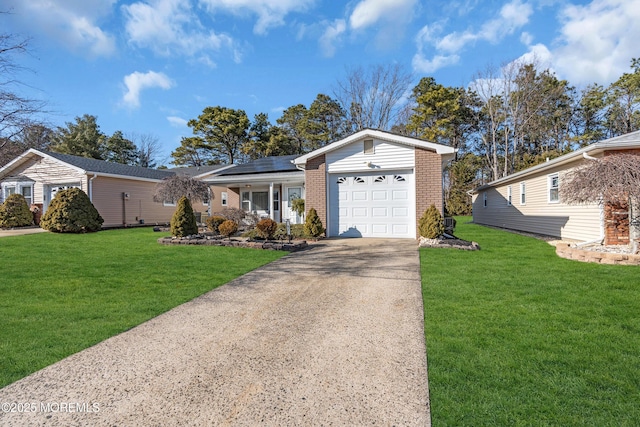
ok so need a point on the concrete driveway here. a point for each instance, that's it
(332, 335)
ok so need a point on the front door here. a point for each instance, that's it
(293, 193)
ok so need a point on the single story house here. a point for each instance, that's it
(122, 194)
(370, 184)
(530, 200)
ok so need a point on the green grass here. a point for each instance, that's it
(61, 293)
(517, 336)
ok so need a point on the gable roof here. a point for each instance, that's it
(623, 142)
(441, 149)
(272, 164)
(90, 166)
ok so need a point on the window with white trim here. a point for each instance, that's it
(223, 198)
(27, 193)
(509, 195)
(523, 193)
(276, 201)
(169, 203)
(553, 183)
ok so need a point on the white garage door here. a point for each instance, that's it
(371, 205)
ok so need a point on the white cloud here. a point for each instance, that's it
(597, 40)
(331, 36)
(271, 13)
(137, 81)
(177, 121)
(369, 12)
(71, 22)
(171, 27)
(512, 16)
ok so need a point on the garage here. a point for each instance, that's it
(372, 204)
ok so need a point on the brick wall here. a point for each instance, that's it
(316, 187)
(428, 176)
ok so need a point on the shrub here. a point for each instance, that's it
(431, 224)
(228, 228)
(14, 212)
(183, 221)
(312, 224)
(213, 222)
(267, 228)
(239, 216)
(71, 211)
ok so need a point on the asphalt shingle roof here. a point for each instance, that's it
(271, 164)
(113, 168)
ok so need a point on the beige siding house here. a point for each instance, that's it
(530, 200)
(122, 194)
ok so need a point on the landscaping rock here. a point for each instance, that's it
(448, 243)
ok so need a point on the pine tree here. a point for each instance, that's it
(183, 222)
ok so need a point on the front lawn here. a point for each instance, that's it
(61, 293)
(519, 337)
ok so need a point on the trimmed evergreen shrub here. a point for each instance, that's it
(71, 211)
(228, 228)
(431, 224)
(183, 221)
(312, 224)
(14, 212)
(213, 222)
(266, 228)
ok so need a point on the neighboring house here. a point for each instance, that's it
(530, 200)
(370, 184)
(122, 194)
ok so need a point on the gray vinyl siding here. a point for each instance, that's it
(538, 215)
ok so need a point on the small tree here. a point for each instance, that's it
(183, 221)
(228, 228)
(431, 224)
(71, 211)
(14, 212)
(178, 186)
(312, 225)
(267, 228)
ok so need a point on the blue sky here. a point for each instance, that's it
(149, 66)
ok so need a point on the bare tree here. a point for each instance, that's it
(609, 180)
(148, 149)
(176, 186)
(372, 97)
(16, 111)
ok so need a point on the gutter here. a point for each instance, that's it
(95, 175)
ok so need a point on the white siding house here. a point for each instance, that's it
(535, 204)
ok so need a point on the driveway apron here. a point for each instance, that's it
(332, 335)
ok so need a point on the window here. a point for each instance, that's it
(246, 201)
(27, 194)
(223, 198)
(553, 183)
(399, 178)
(276, 201)
(342, 180)
(358, 180)
(9, 190)
(509, 195)
(523, 193)
(369, 147)
(166, 202)
(381, 178)
(484, 200)
(260, 201)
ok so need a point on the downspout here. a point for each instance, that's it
(95, 175)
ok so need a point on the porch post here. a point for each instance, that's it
(271, 213)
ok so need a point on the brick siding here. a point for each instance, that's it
(428, 176)
(316, 187)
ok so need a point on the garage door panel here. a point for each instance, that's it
(371, 204)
